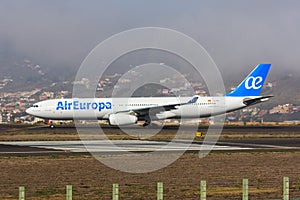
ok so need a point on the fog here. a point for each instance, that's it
(237, 34)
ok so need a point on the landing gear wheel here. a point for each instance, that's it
(146, 124)
(147, 121)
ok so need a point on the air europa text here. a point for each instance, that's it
(77, 105)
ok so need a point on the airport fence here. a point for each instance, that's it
(160, 191)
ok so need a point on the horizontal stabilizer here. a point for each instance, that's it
(252, 101)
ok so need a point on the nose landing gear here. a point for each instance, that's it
(52, 126)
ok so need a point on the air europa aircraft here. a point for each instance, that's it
(125, 111)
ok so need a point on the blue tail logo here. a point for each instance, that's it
(253, 83)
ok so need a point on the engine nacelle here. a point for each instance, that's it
(120, 119)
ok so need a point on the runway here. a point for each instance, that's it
(250, 138)
(140, 146)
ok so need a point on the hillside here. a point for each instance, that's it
(285, 90)
(19, 74)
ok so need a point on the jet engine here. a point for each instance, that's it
(120, 119)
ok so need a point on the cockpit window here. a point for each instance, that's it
(35, 106)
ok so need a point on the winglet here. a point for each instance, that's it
(193, 100)
(253, 83)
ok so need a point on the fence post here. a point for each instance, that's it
(286, 192)
(69, 192)
(160, 191)
(21, 193)
(245, 189)
(115, 195)
(203, 190)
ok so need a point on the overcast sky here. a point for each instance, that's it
(236, 33)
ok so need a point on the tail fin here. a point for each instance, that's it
(253, 83)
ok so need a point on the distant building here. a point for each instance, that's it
(283, 109)
(46, 95)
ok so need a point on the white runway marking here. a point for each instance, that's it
(122, 146)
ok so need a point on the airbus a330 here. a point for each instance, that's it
(125, 111)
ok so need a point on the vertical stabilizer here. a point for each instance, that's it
(253, 83)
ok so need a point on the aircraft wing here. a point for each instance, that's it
(157, 109)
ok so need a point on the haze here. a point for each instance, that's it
(237, 34)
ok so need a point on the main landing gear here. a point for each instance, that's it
(147, 121)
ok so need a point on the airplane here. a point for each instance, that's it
(127, 111)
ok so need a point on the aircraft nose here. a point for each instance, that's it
(29, 111)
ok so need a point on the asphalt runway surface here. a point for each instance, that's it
(142, 146)
(125, 146)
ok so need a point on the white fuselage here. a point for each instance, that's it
(101, 108)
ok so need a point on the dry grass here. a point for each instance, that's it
(46, 177)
